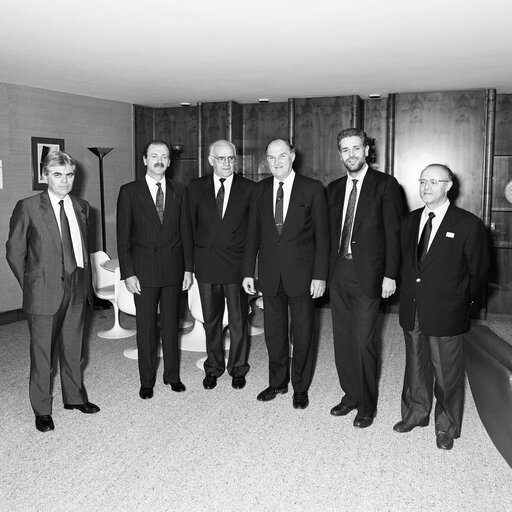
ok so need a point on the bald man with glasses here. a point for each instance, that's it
(445, 262)
(220, 205)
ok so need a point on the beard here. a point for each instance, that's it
(354, 164)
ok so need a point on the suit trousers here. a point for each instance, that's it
(213, 299)
(354, 318)
(146, 304)
(430, 359)
(59, 335)
(275, 319)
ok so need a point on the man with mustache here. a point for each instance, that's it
(365, 210)
(154, 243)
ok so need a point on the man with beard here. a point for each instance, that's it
(154, 243)
(365, 210)
(288, 232)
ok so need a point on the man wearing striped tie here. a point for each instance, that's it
(47, 252)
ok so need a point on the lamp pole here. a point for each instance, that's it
(100, 153)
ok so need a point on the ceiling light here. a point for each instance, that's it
(374, 96)
(263, 100)
(184, 104)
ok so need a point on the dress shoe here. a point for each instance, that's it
(300, 399)
(145, 393)
(44, 423)
(341, 409)
(270, 393)
(444, 441)
(86, 408)
(238, 382)
(177, 386)
(403, 427)
(362, 421)
(209, 382)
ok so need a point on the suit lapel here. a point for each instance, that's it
(48, 216)
(447, 224)
(365, 197)
(148, 203)
(81, 215)
(295, 201)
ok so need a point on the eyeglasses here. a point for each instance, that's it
(224, 159)
(432, 183)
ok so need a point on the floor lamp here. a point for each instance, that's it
(100, 153)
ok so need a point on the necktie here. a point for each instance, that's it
(349, 219)
(424, 239)
(67, 244)
(220, 197)
(160, 202)
(279, 208)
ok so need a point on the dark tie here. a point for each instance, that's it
(67, 244)
(160, 202)
(349, 219)
(279, 208)
(424, 239)
(220, 197)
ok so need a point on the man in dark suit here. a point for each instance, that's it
(220, 204)
(365, 209)
(154, 243)
(47, 252)
(445, 263)
(288, 232)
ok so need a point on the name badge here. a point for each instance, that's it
(449, 234)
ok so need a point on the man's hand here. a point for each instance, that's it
(317, 288)
(388, 287)
(188, 280)
(132, 284)
(248, 285)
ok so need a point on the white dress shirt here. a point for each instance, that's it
(287, 192)
(348, 190)
(227, 189)
(153, 188)
(439, 212)
(73, 225)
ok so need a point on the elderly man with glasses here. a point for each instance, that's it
(445, 262)
(220, 205)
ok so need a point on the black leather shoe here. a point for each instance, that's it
(44, 423)
(86, 408)
(362, 421)
(403, 427)
(270, 393)
(341, 409)
(179, 387)
(238, 382)
(209, 382)
(146, 393)
(443, 441)
(300, 399)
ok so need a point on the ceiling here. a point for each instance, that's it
(162, 52)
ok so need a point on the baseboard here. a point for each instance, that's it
(8, 317)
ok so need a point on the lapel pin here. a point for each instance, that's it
(449, 234)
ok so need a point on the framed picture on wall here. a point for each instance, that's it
(41, 146)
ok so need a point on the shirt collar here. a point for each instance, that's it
(55, 200)
(439, 211)
(152, 182)
(287, 181)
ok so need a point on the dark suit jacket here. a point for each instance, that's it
(375, 241)
(301, 253)
(34, 252)
(451, 275)
(156, 252)
(219, 243)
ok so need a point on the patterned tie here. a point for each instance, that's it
(279, 208)
(424, 239)
(349, 218)
(220, 197)
(67, 244)
(160, 202)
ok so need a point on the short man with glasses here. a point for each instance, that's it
(445, 262)
(288, 233)
(47, 252)
(219, 204)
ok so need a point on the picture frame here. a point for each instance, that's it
(41, 146)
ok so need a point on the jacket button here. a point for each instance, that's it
(418, 280)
